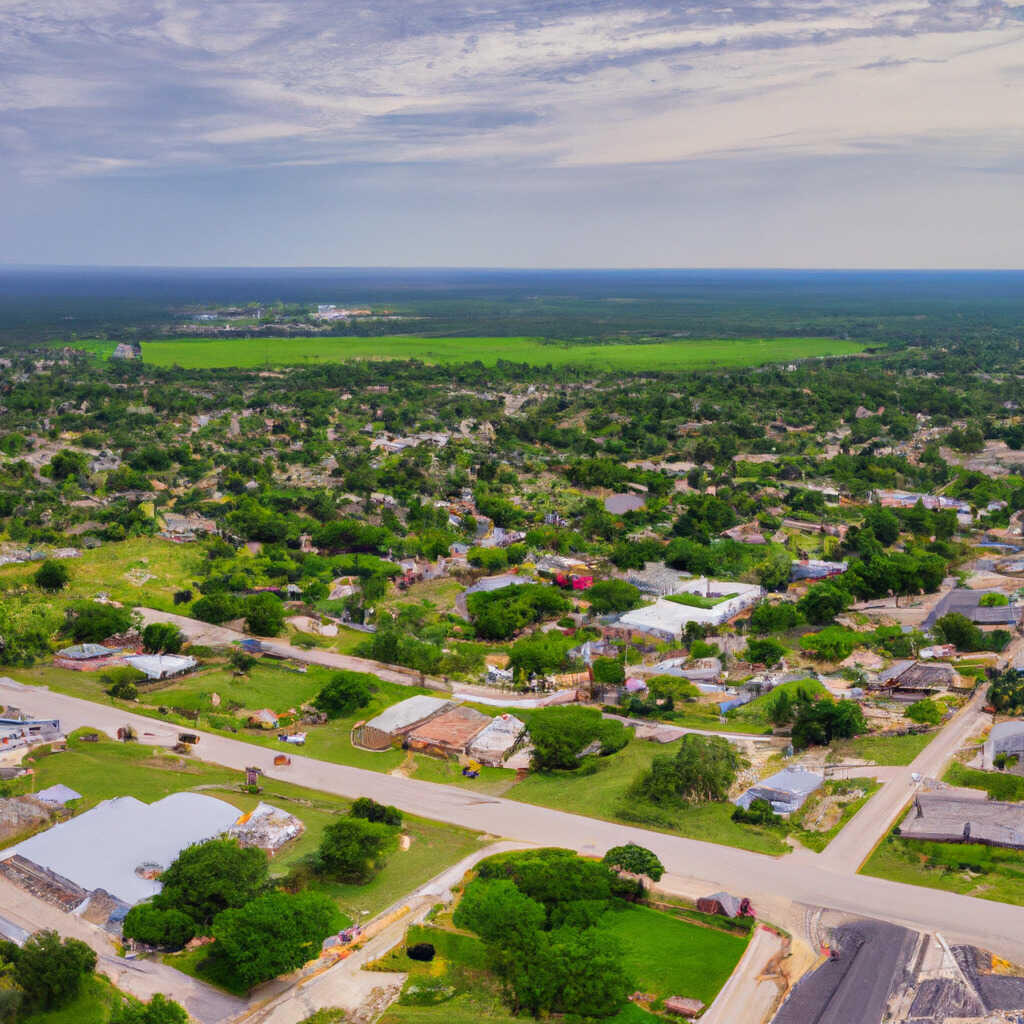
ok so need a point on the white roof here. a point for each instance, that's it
(156, 666)
(102, 848)
(499, 736)
(59, 794)
(666, 616)
(407, 713)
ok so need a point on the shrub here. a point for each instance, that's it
(169, 929)
(162, 638)
(370, 810)
(344, 693)
(559, 735)
(421, 951)
(90, 622)
(51, 576)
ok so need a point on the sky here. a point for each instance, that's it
(526, 133)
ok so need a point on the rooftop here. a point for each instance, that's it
(408, 713)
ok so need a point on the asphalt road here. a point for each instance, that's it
(995, 926)
(855, 842)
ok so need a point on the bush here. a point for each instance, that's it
(264, 614)
(759, 812)
(609, 671)
(344, 693)
(51, 576)
(764, 651)
(90, 622)
(370, 810)
(421, 951)
(182, 596)
(559, 735)
(162, 638)
(613, 596)
(353, 850)
(124, 690)
(51, 971)
(924, 712)
(168, 929)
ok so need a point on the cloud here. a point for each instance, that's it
(155, 85)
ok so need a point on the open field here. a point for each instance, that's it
(674, 355)
(998, 785)
(137, 571)
(891, 750)
(106, 769)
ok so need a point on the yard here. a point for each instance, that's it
(891, 750)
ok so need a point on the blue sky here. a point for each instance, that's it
(525, 133)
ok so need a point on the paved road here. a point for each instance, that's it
(207, 634)
(855, 842)
(748, 996)
(991, 925)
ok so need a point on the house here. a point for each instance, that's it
(393, 723)
(786, 790)
(936, 817)
(86, 652)
(968, 603)
(912, 678)
(493, 744)
(1005, 738)
(449, 733)
(745, 533)
(715, 602)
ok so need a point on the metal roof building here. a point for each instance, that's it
(408, 713)
(786, 791)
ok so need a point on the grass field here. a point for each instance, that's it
(140, 571)
(998, 785)
(108, 769)
(198, 353)
(602, 794)
(894, 750)
(664, 955)
(93, 1005)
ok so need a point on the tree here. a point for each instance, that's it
(637, 860)
(609, 671)
(774, 571)
(818, 722)
(500, 914)
(883, 522)
(560, 735)
(924, 712)
(353, 850)
(764, 651)
(273, 934)
(781, 709)
(51, 576)
(702, 770)
(67, 463)
(209, 877)
(217, 608)
(958, 630)
(51, 971)
(169, 929)
(264, 614)
(162, 638)
(25, 631)
(370, 810)
(822, 603)
(159, 1010)
(90, 622)
(344, 693)
(608, 596)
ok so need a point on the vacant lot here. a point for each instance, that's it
(674, 355)
(893, 750)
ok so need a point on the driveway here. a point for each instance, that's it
(818, 882)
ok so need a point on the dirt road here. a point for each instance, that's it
(995, 926)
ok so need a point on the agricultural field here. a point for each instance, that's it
(675, 355)
(107, 769)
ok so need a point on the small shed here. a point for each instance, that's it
(162, 666)
(684, 1007)
(724, 904)
(59, 795)
(786, 791)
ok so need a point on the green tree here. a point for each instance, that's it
(500, 914)
(51, 576)
(774, 571)
(51, 970)
(609, 671)
(560, 734)
(924, 712)
(273, 934)
(344, 693)
(822, 603)
(637, 860)
(764, 651)
(90, 622)
(169, 929)
(217, 608)
(264, 614)
(702, 770)
(608, 596)
(353, 850)
(162, 638)
(209, 877)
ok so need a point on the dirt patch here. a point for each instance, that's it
(22, 814)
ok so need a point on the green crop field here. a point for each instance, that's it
(199, 353)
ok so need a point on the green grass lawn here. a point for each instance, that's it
(667, 956)
(201, 353)
(998, 785)
(93, 1005)
(119, 570)
(894, 750)
(108, 769)
(602, 794)
(987, 872)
